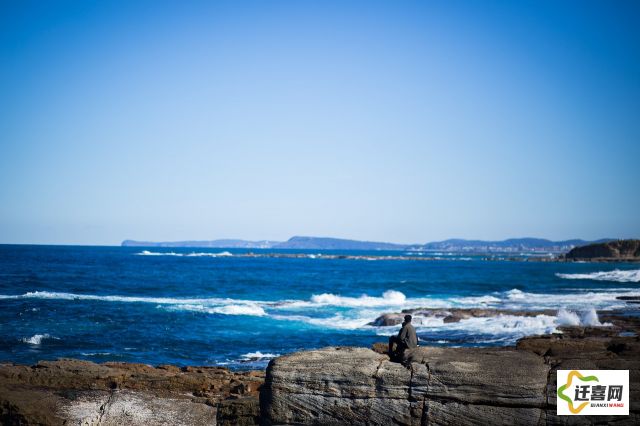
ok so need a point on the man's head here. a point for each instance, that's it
(407, 318)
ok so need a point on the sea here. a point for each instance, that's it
(215, 307)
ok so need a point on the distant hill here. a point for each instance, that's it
(514, 245)
(318, 243)
(612, 250)
(202, 244)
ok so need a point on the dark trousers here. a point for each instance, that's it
(397, 352)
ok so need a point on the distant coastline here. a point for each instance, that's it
(509, 246)
(530, 257)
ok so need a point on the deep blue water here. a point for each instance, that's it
(114, 303)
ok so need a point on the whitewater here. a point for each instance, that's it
(216, 307)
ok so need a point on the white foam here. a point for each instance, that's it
(258, 356)
(505, 328)
(617, 275)
(115, 298)
(337, 321)
(566, 317)
(221, 254)
(37, 339)
(517, 299)
(193, 254)
(251, 309)
(590, 318)
(208, 305)
(356, 312)
(508, 325)
(155, 253)
(480, 300)
(389, 298)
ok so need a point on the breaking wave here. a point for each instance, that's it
(327, 310)
(506, 329)
(246, 308)
(257, 356)
(617, 275)
(206, 305)
(193, 254)
(586, 318)
(389, 298)
(37, 339)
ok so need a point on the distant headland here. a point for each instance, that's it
(627, 250)
(513, 245)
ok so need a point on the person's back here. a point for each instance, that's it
(408, 336)
(406, 339)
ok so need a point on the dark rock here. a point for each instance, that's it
(381, 348)
(450, 315)
(612, 250)
(239, 412)
(387, 320)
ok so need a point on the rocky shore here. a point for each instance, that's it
(74, 392)
(335, 385)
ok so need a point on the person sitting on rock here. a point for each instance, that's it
(406, 339)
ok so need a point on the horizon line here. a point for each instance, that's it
(308, 236)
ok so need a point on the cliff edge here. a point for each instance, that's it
(620, 250)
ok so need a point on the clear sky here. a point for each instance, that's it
(380, 120)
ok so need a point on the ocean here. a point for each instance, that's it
(220, 307)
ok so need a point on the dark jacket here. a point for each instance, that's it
(407, 335)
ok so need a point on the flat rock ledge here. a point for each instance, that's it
(442, 386)
(75, 392)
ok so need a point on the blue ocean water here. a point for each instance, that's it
(216, 307)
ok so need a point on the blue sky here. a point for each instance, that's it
(397, 121)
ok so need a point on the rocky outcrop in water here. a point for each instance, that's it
(620, 250)
(449, 315)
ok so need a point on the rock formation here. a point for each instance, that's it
(620, 250)
(450, 315)
(444, 386)
(81, 392)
